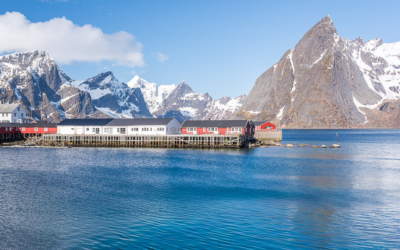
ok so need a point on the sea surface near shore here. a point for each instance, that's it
(275, 197)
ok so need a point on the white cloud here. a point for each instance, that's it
(161, 57)
(67, 42)
(133, 72)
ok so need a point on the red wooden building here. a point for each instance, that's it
(8, 132)
(218, 127)
(40, 127)
(264, 126)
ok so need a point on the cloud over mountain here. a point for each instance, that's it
(68, 42)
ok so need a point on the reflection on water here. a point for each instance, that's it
(200, 199)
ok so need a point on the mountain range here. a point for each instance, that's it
(325, 81)
(35, 80)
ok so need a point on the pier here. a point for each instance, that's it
(156, 141)
(269, 134)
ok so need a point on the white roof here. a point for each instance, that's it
(6, 108)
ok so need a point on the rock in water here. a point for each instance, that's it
(323, 146)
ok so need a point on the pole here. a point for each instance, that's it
(337, 138)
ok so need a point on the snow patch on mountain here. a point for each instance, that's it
(153, 94)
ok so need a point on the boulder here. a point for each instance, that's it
(323, 146)
(289, 145)
(314, 146)
(335, 146)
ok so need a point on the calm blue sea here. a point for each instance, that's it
(260, 198)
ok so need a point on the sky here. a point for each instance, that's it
(220, 47)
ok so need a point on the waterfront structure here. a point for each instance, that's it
(267, 131)
(264, 126)
(13, 113)
(218, 127)
(8, 132)
(37, 128)
(139, 126)
(143, 126)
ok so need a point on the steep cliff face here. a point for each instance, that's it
(329, 82)
(35, 81)
(181, 102)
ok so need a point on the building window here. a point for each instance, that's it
(72, 128)
(36, 129)
(212, 129)
(96, 130)
(191, 129)
(18, 109)
(6, 128)
(204, 129)
(23, 128)
(145, 129)
(46, 129)
(121, 130)
(236, 129)
(160, 129)
(22, 114)
(134, 129)
(87, 129)
(15, 114)
(108, 131)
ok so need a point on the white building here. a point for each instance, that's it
(140, 126)
(13, 113)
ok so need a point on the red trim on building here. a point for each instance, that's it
(266, 127)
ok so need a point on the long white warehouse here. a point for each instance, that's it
(139, 126)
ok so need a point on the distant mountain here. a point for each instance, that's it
(181, 102)
(327, 81)
(113, 97)
(34, 80)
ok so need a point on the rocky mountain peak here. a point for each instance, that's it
(20, 59)
(183, 87)
(374, 43)
(359, 40)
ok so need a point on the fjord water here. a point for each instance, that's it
(276, 197)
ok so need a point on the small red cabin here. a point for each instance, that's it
(39, 127)
(218, 127)
(8, 128)
(264, 126)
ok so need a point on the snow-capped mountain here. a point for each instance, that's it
(327, 81)
(153, 94)
(34, 80)
(181, 102)
(113, 97)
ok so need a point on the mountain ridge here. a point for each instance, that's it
(327, 81)
(35, 80)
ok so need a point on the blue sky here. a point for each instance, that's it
(219, 46)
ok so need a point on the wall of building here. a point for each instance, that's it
(40, 130)
(15, 116)
(221, 131)
(173, 127)
(8, 130)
